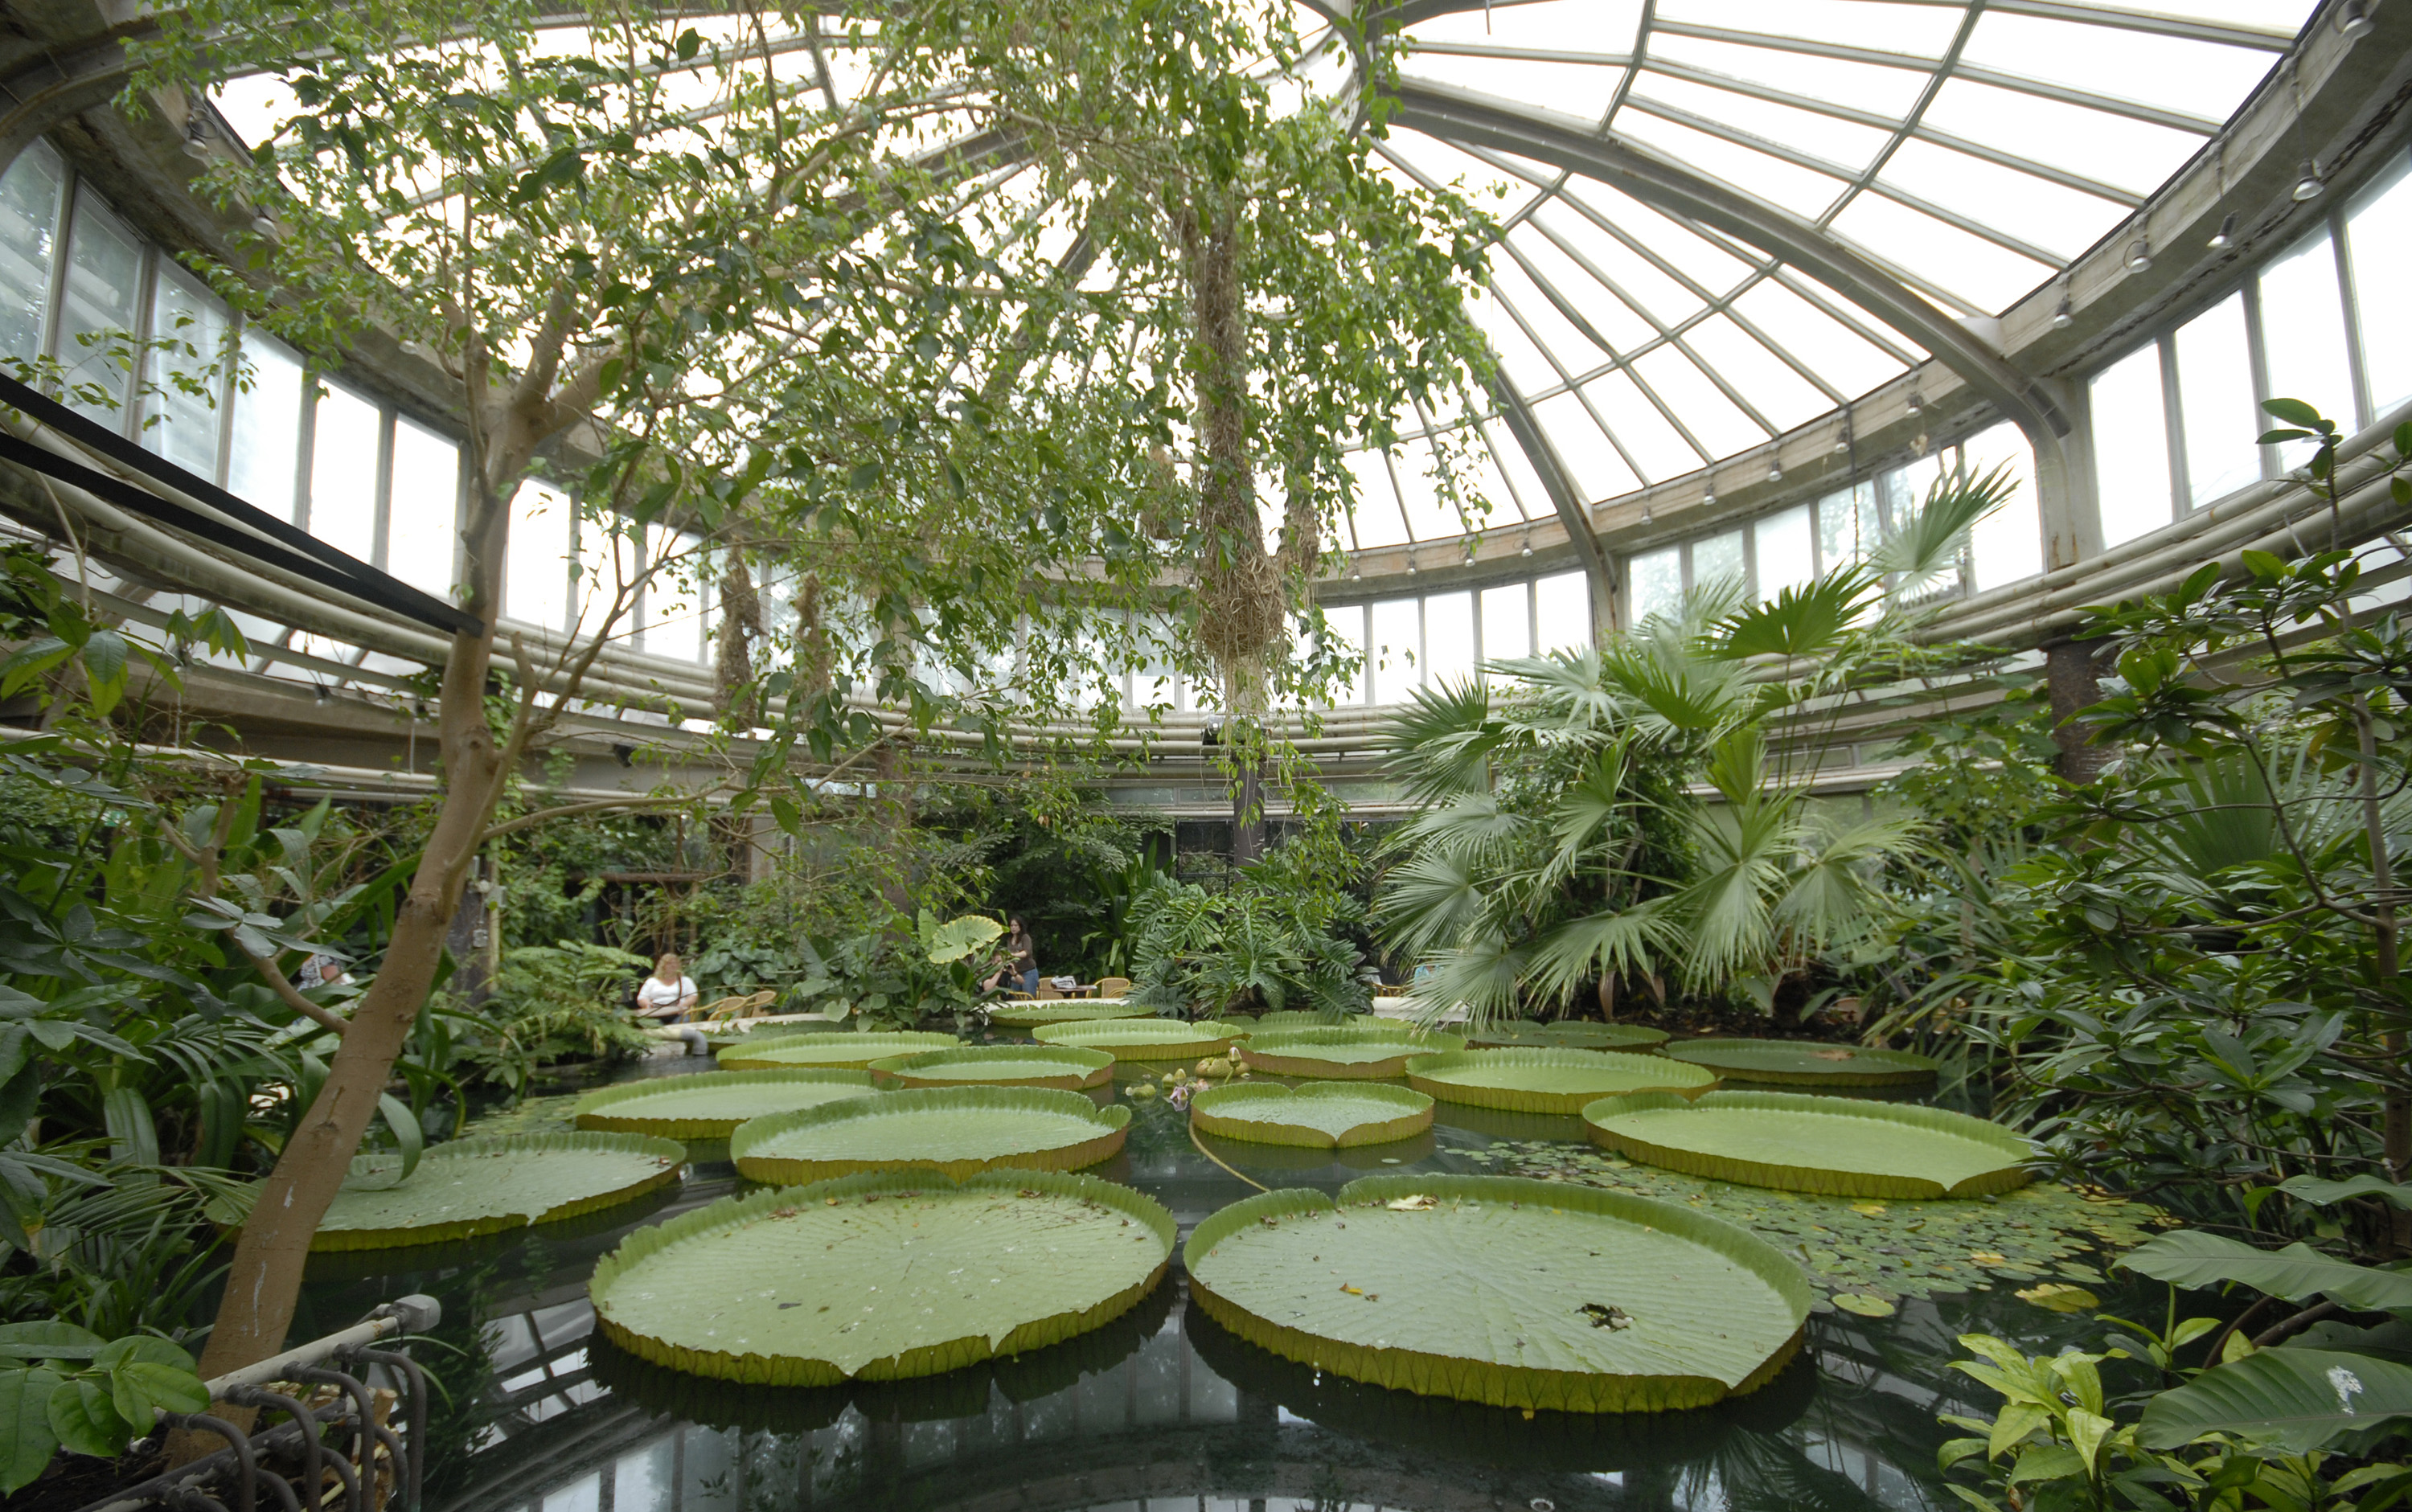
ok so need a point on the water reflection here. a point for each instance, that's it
(1161, 1410)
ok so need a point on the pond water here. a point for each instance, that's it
(1164, 1410)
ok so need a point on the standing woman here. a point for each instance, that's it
(668, 993)
(1021, 971)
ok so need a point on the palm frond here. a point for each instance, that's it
(1927, 542)
(1440, 743)
(1481, 977)
(1588, 805)
(1833, 897)
(1429, 904)
(1628, 942)
(1800, 622)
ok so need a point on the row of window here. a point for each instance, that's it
(2328, 321)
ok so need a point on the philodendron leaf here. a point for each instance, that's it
(2294, 1399)
(1832, 1145)
(881, 1277)
(26, 1439)
(482, 1186)
(959, 937)
(2189, 1257)
(1324, 1115)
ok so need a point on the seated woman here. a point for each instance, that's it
(1020, 973)
(668, 994)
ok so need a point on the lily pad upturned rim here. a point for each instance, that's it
(1743, 1060)
(594, 1110)
(1097, 1066)
(1566, 1034)
(843, 1051)
(1289, 1052)
(1489, 1382)
(1429, 1074)
(1805, 1175)
(1207, 1038)
(668, 1151)
(1111, 1124)
(1211, 1111)
(931, 1360)
(1039, 1011)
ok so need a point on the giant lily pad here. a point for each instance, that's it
(1805, 1062)
(1354, 1051)
(954, 1130)
(843, 1051)
(710, 1104)
(1550, 1080)
(1321, 1115)
(1832, 1145)
(1061, 1066)
(1143, 1040)
(1566, 1033)
(1030, 1015)
(881, 1277)
(1515, 1293)
(483, 1186)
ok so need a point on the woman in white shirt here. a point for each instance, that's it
(668, 993)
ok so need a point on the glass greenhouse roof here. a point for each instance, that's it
(1969, 148)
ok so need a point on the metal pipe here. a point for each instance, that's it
(305, 1423)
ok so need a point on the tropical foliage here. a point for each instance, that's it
(1272, 939)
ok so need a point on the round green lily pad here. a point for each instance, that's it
(952, 1130)
(1494, 1290)
(484, 1186)
(1320, 1115)
(1550, 1080)
(1568, 1034)
(1835, 1145)
(1143, 1040)
(845, 1051)
(1030, 1015)
(1062, 1067)
(1367, 1050)
(1805, 1062)
(1309, 1019)
(881, 1277)
(711, 1104)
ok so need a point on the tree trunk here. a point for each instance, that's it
(2074, 681)
(741, 625)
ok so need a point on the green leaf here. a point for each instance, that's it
(955, 1131)
(1128, 1038)
(2293, 1400)
(467, 1187)
(2323, 1193)
(133, 1137)
(2189, 1257)
(711, 1104)
(1838, 1146)
(1550, 1080)
(168, 1387)
(960, 938)
(788, 1053)
(2295, 411)
(86, 1422)
(1783, 1063)
(26, 1439)
(1376, 1050)
(48, 1339)
(1063, 1068)
(1319, 1115)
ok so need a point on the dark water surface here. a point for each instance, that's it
(1162, 1411)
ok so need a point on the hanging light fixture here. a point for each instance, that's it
(1528, 545)
(2140, 254)
(1774, 470)
(196, 138)
(1645, 511)
(2064, 315)
(2225, 237)
(1917, 405)
(2308, 184)
(2353, 19)
(1708, 499)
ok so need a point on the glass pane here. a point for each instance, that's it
(1345, 626)
(1847, 527)
(1397, 648)
(2131, 447)
(2007, 544)
(266, 456)
(1562, 608)
(29, 226)
(1508, 621)
(1151, 680)
(1448, 638)
(676, 596)
(99, 313)
(1716, 561)
(1784, 559)
(1657, 586)
(423, 527)
(2377, 229)
(180, 415)
(536, 588)
(342, 473)
(2303, 336)
(2215, 402)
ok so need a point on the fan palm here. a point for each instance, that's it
(1642, 809)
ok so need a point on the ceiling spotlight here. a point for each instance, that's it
(2140, 254)
(2353, 19)
(1917, 405)
(1708, 499)
(2309, 187)
(2064, 315)
(1646, 512)
(1528, 546)
(1775, 472)
(1841, 443)
(2225, 237)
(197, 139)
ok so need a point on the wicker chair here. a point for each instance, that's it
(723, 1008)
(1048, 990)
(1113, 987)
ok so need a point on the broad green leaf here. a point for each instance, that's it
(26, 1439)
(1832, 1145)
(1063, 1067)
(1367, 1050)
(1515, 1293)
(166, 1386)
(881, 1276)
(787, 1052)
(710, 1104)
(2189, 1257)
(953, 1130)
(2294, 1399)
(1031, 1014)
(86, 1422)
(486, 1186)
(49, 1339)
(1550, 1080)
(1316, 1114)
(1573, 1033)
(1795, 1063)
(959, 937)
(2322, 1193)
(1144, 1039)
(2294, 412)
